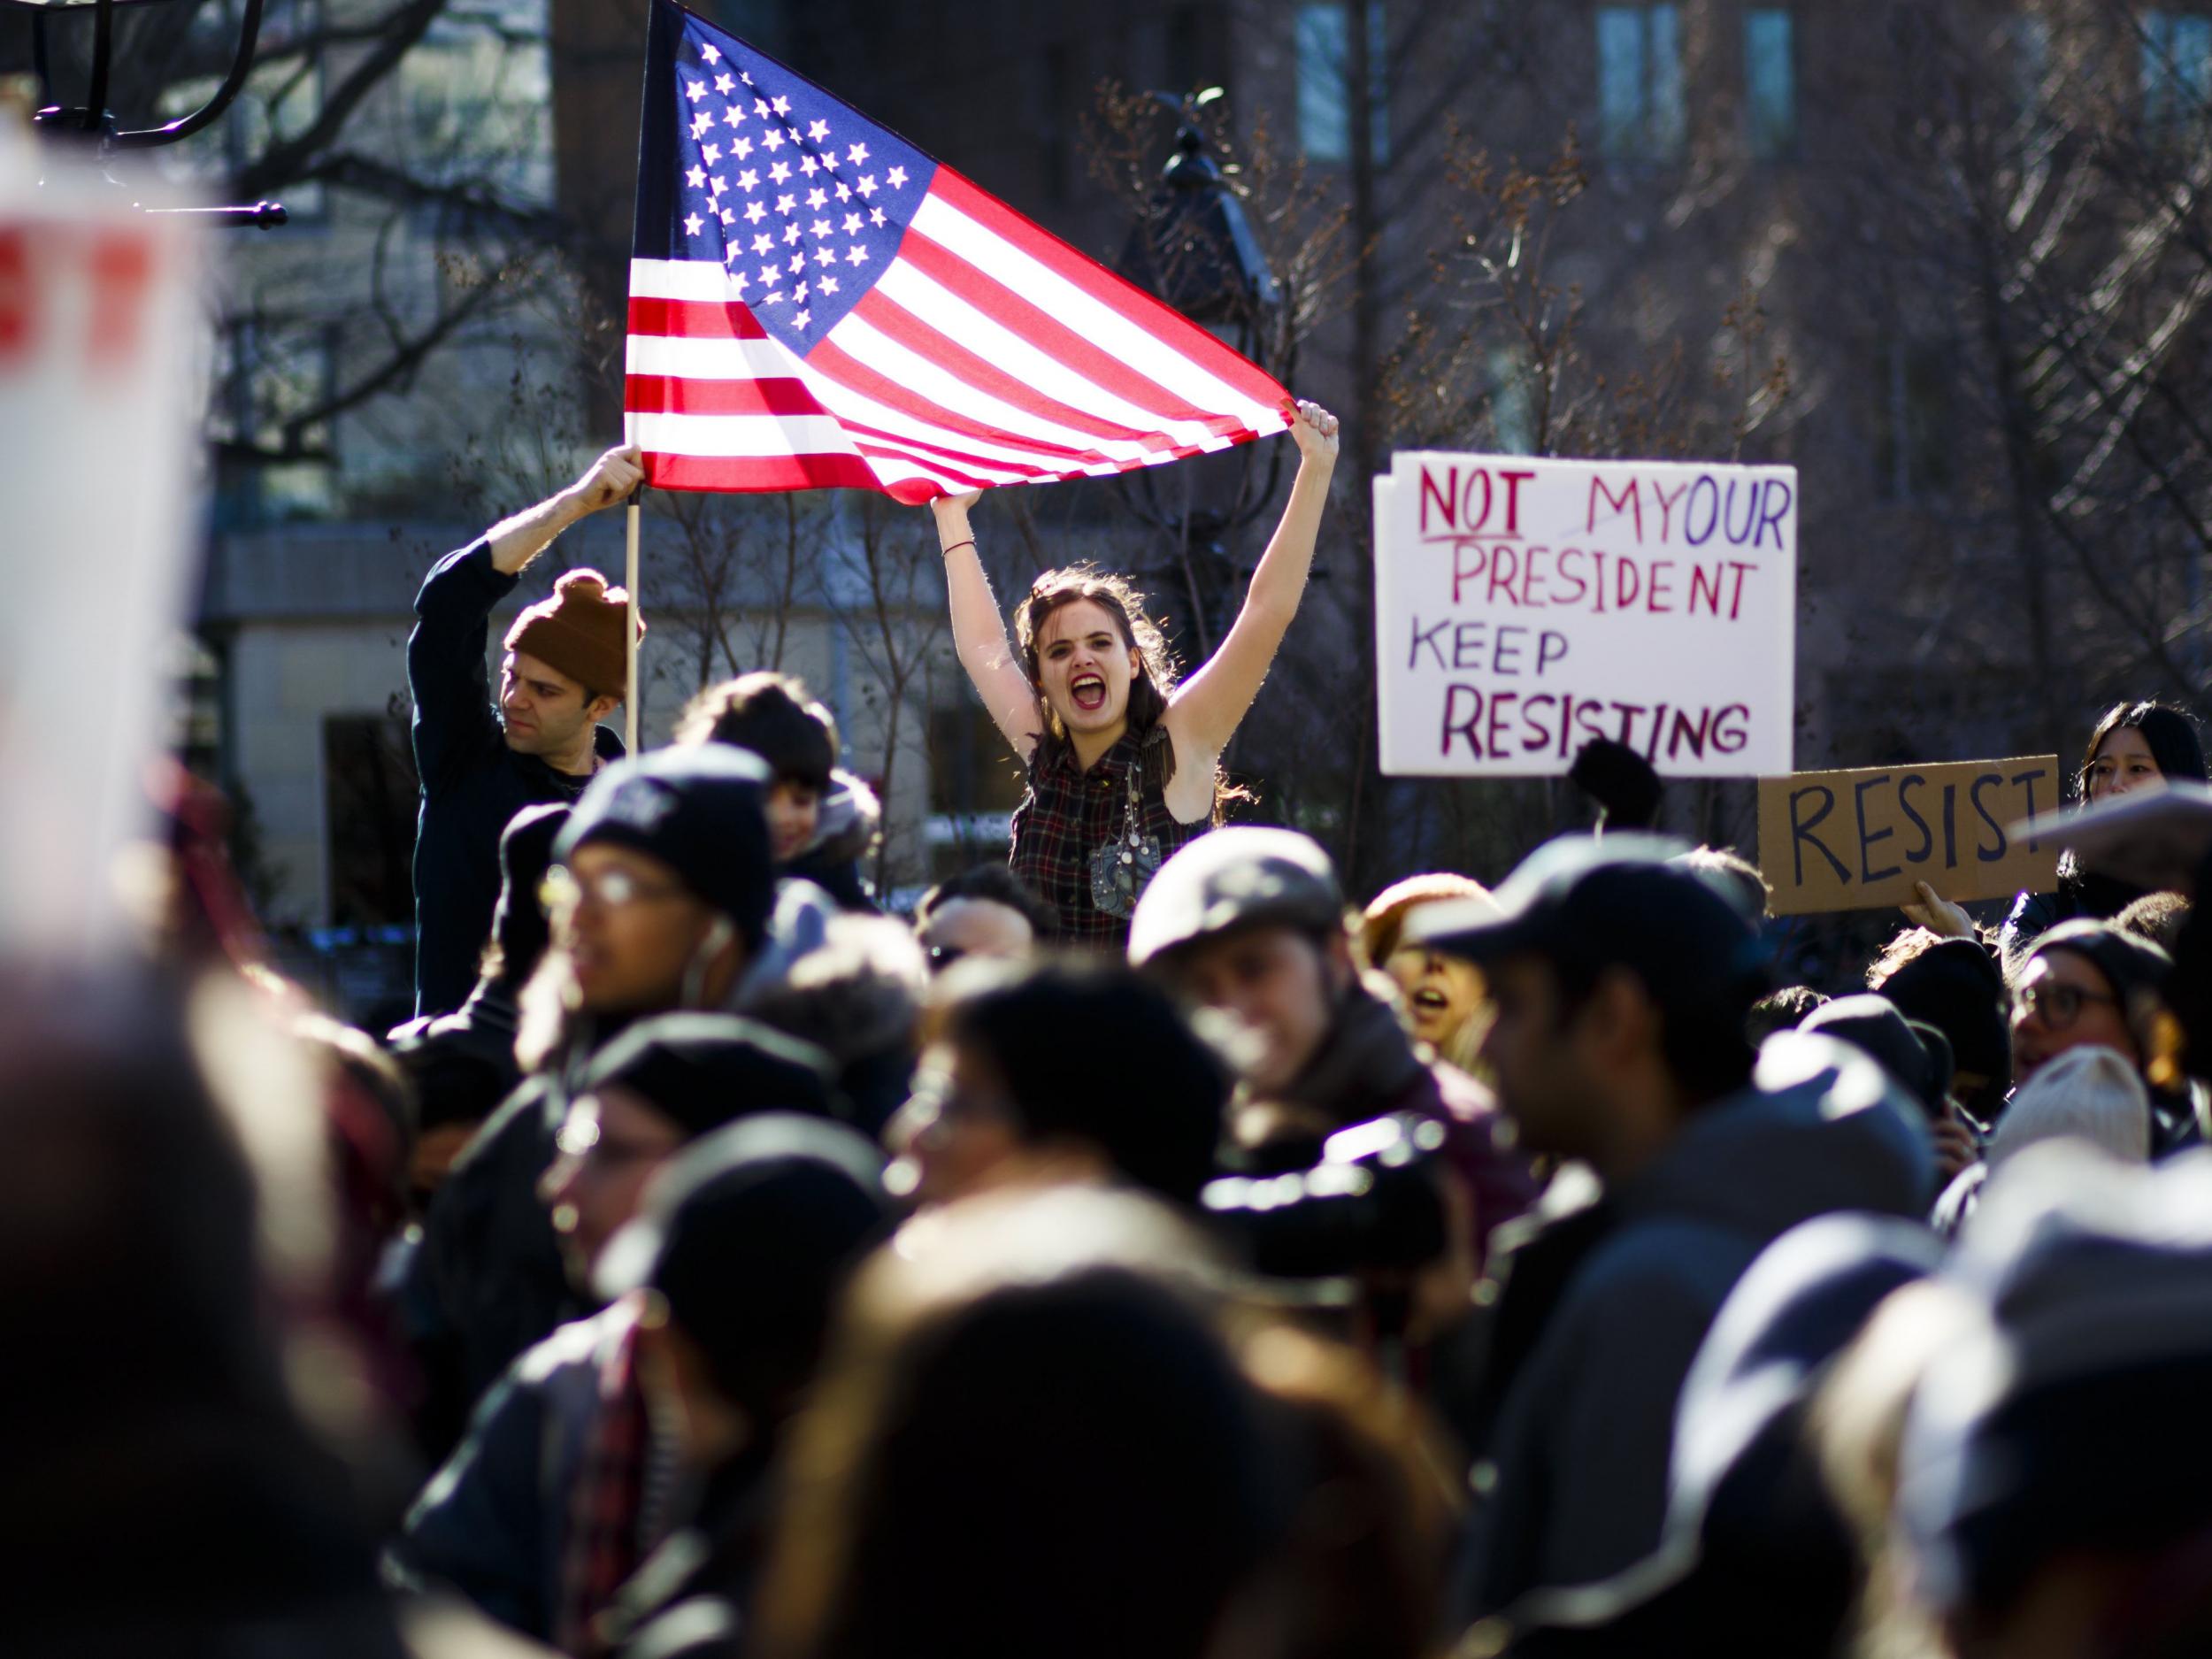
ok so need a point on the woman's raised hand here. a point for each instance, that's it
(1315, 430)
(952, 511)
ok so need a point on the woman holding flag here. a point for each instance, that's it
(1123, 762)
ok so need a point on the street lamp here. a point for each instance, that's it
(1194, 248)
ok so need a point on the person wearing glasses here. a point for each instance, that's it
(2086, 984)
(661, 895)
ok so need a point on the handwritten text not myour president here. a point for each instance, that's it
(1523, 607)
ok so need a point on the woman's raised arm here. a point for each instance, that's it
(1207, 707)
(979, 631)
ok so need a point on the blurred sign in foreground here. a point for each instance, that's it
(1523, 607)
(97, 318)
(1859, 840)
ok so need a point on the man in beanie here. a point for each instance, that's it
(740, 1254)
(481, 759)
(1622, 983)
(664, 899)
(558, 1451)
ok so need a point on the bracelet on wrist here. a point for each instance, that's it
(957, 546)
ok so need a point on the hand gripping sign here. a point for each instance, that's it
(1523, 607)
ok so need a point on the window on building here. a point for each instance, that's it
(369, 815)
(1912, 444)
(1324, 115)
(1770, 74)
(1641, 115)
(2176, 71)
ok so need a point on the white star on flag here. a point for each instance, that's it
(983, 351)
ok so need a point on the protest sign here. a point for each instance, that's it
(1523, 607)
(1859, 840)
(98, 321)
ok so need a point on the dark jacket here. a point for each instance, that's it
(1367, 1067)
(472, 782)
(1606, 1303)
(492, 1522)
(487, 1273)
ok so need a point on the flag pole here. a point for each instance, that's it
(629, 634)
(631, 517)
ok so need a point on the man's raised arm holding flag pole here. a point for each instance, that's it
(482, 760)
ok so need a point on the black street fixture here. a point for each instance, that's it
(1194, 248)
(95, 122)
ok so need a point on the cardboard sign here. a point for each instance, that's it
(1523, 607)
(1859, 840)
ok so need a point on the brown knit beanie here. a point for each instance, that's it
(579, 631)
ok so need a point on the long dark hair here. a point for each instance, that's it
(2169, 732)
(1149, 688)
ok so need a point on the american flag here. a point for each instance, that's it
(814, 302)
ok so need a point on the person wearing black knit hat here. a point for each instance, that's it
(1955, 986)
(740, 1254)
(539, 1514)
(662, 1084)
(664, 880)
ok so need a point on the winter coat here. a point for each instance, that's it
(492, 1522)
(472, 782)
(1606, 1303)
(489, 1271)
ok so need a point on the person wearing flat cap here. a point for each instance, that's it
(482, 758)
(1250, 922)
(542, 1510)
(1622, 983)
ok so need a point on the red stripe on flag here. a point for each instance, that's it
(962, 457)
(936, 469)
(673, 395)
(956, 359)
(1052, 336)
(1174, 332)
(833, 362)
(694, 319)
(750, 474)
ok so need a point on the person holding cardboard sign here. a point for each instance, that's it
(2134, 746)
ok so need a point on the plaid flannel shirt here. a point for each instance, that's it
(1069, 813)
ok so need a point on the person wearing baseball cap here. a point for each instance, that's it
(1622, 982)
(1251, 924)
(482, 758)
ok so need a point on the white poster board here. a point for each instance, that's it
(1525, 606)
(99, 313)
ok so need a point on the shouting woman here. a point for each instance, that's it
(1123, 762)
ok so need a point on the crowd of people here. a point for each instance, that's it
(1146, 1247)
